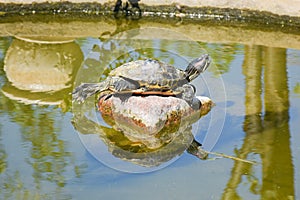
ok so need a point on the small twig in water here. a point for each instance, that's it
(231, 157)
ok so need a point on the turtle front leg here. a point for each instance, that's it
(187, 92)
(121, 83)
(85, 90)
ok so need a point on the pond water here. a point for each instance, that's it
(256, 89)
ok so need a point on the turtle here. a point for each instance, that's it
(148, 77)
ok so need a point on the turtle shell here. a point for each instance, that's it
(152, 74)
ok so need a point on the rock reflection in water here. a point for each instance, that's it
(155, 134)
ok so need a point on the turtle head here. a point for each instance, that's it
(197, 66)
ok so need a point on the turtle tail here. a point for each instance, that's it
(85, 90)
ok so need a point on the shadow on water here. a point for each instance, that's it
(266, 125)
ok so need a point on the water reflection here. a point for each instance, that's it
(45, 152)
(37, 74)
(151, 141)
(4, 44)
(40, 73)
(267, 131)
(3, 155)
(39, 159)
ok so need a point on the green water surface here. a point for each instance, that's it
(42, 157)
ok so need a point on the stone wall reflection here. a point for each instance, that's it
(266, 127)
(41, 73)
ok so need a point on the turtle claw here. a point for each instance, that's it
(78, 95)
(77, 98)
(85, 90)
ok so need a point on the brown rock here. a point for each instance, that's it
(151, 120)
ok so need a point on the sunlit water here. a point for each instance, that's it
(41, 154)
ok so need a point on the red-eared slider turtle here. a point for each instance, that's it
(148, 77)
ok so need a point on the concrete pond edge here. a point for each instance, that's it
(193, 10)
(56, 21)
